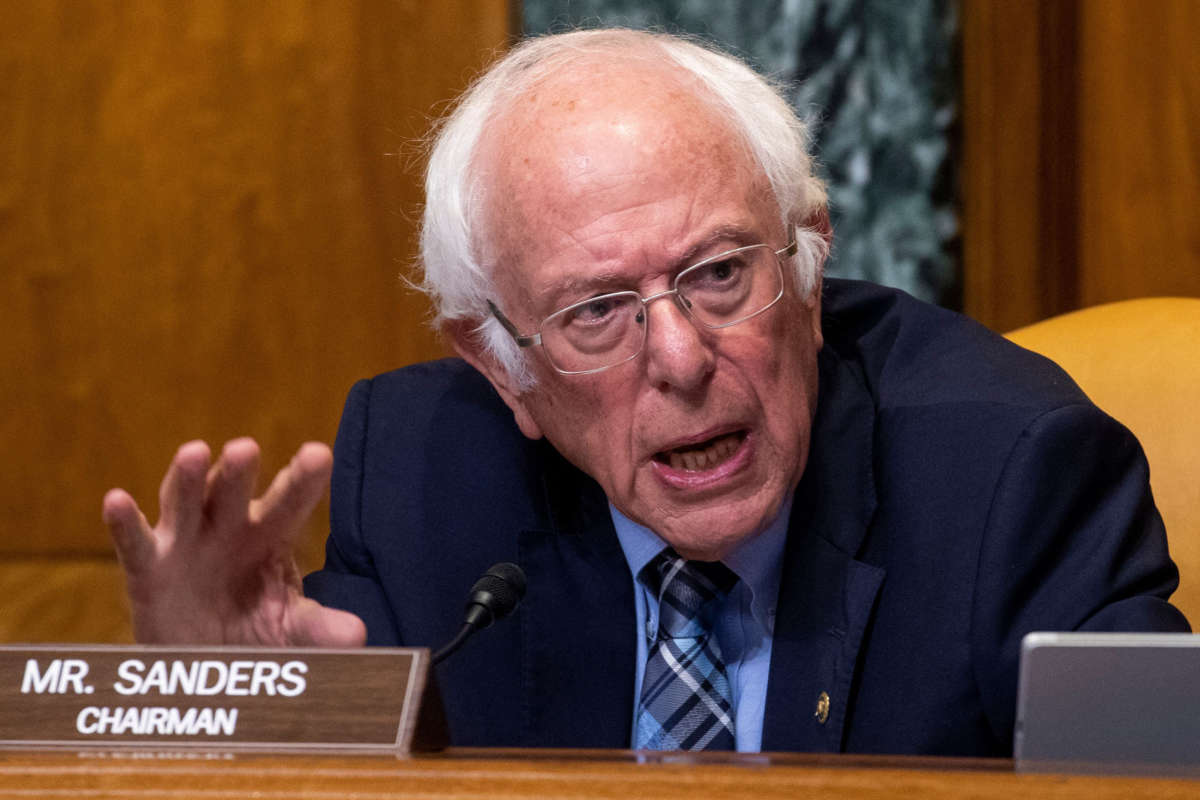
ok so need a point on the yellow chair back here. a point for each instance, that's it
(1139, 360)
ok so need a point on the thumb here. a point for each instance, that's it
(314, 625)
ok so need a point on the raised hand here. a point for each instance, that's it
(218, 566)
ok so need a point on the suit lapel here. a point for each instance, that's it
(826, 596)
(578, 627)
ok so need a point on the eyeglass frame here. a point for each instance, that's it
(531, 339)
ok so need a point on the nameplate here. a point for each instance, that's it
(227, 698)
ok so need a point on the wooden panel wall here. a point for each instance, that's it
(1139, 149)
(204, 209)
(1081, 154)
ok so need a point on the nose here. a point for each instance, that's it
(678, 354)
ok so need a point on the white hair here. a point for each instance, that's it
(455, 276)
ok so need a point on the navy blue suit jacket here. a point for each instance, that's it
(960, 492)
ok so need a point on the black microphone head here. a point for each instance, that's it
(496, 594)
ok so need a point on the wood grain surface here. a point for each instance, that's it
(551, 774)
(1081, 155)
(1003, 82)
(63, 599)
(1139, 150)
(205, 208)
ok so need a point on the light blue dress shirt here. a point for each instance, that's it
(745, 623)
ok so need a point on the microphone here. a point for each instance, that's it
(494, 596)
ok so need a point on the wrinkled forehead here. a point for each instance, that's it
(585, 142)
(596, 107)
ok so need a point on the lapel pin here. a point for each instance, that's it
(822, 707)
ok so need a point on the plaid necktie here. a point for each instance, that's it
(686, 703)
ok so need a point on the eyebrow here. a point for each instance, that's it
(736, 235)
(612, 281)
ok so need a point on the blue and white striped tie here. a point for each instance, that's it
(686, 703)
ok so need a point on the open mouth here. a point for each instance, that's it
(704, 455)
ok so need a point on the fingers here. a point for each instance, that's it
(230, 485)
(181, 495)
(212, 542)
(295, 491)
(314, 625)
(130, 532)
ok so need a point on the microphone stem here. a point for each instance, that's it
(450, 647)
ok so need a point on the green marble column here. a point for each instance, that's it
(877, 79)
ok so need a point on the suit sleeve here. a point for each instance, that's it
(349, 580)
(1073, 542)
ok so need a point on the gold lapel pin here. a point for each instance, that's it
(822, 707)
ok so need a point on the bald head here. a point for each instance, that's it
(497, 138)
(554, 156)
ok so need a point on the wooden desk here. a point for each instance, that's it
(544, 775)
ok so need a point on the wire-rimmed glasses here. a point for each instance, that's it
(610, 329)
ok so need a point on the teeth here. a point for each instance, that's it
(696, 460)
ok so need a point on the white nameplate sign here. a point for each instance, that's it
(226, 698)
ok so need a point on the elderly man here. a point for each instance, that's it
(756, 509)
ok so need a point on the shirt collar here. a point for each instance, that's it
(757, 562)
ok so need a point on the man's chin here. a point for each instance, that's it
(711, 534)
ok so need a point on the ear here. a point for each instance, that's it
(813, 304)
(818, 222)
(466, 342)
